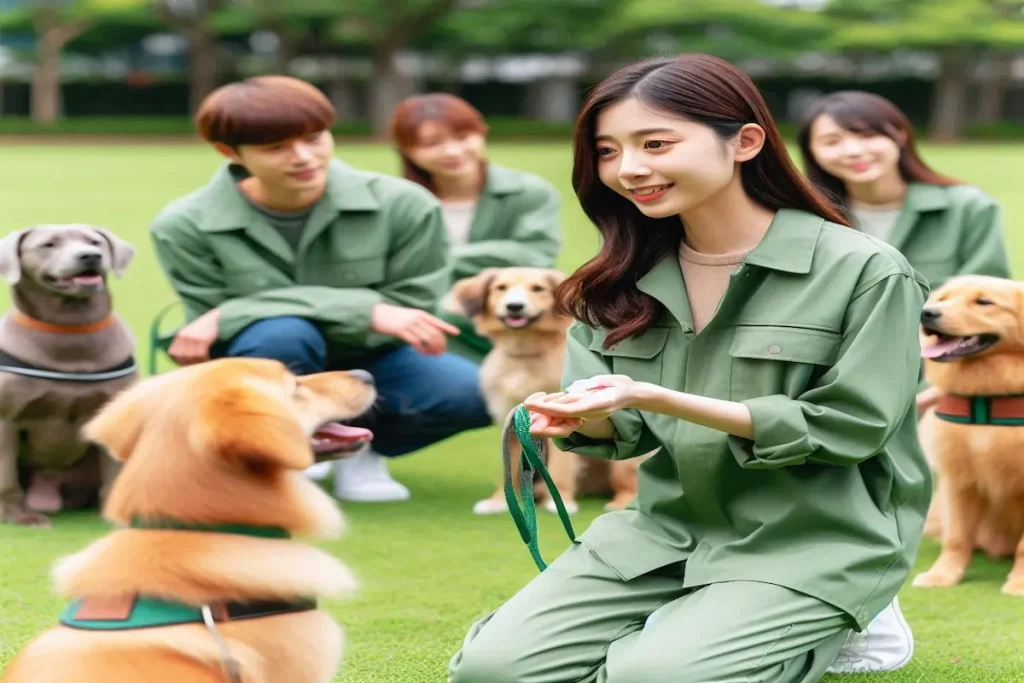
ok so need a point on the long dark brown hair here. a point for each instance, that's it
(864, 112)
(452, 112)
(703, 89)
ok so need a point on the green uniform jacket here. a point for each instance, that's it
(817, 335)
(953, 230)
(373, 238)
(516, 223)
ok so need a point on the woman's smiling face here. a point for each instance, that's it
(665, 165)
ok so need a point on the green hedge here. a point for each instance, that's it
(501, 128)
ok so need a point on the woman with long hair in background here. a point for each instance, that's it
(860, 148)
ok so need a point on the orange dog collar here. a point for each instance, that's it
(54, 328)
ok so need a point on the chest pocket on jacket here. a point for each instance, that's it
(771, 359)
(639, 358)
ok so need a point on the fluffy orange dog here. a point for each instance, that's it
(210, 492)
(973, 343)
(515, 309)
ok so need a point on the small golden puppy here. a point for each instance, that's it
(973, 343)
(515, 309)
(203, 583)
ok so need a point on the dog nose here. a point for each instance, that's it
(363, 376)
(514, 307)
(930, 315)
(90, 258)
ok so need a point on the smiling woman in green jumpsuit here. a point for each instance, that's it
(495, 216)
(733, 319)
(859, 147)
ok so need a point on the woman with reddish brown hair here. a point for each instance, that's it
(735, 322)
(860, 148)
(495, 217)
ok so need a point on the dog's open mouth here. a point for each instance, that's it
(947, 347)
(334, 437)
(87, 278)
(516, 321)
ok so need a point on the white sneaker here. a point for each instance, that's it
(885, 645)
(364, 478)
(320, 471)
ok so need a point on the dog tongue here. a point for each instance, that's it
(337, 432)
(87, 279)
(942, 347)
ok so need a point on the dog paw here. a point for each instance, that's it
(570, 506)
(490, 506)
(937, 579)
(1014, 587)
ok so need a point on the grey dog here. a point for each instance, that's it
(63, 354)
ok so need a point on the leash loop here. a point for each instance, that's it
(535, 451)
(230, 663)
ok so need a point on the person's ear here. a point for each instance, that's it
(228, 151)
(749, 141)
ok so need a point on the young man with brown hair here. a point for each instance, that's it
(288, 253)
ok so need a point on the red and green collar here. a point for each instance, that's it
(1004, 410)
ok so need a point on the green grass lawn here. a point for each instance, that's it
(429, 566)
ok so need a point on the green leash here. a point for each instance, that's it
(534, 450)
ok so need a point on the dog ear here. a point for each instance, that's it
(117, 426)
(251, 427)
(555, 277)
(121, 253)
(10, 256)
(470, 294)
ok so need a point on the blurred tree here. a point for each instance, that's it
(959, 32)
(730, 29)
(56, 23)
(389, 27)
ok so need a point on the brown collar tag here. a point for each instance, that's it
(106, 609)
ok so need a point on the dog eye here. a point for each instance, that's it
(536, 288)
(982, 301)
(49, 245)
(501, 288)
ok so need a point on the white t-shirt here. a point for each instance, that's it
(458, 218)
(876, 222)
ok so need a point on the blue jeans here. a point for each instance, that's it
(422, 399)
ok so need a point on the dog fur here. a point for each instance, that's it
(525, 359)
(222, 442)
(41, 419)
(979, 501)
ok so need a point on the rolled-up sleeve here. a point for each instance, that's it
(852, 411)
(632, 437)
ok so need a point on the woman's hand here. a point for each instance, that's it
(596, 398)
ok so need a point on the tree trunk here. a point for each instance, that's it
(386, 88)
(287, 48)
(52, 35)
(992, 95)
(949, 107)
(46, 81)
(203, 68)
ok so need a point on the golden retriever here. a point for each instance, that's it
(515, 309)
(972, 331)
(215, 451)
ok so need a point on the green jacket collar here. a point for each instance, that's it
(921, 198)
(502, 181)
(347, 190)
(787, 246)
(789, 243)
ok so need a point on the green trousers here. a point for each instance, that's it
(579, 622)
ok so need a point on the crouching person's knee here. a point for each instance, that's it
(485, 658)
